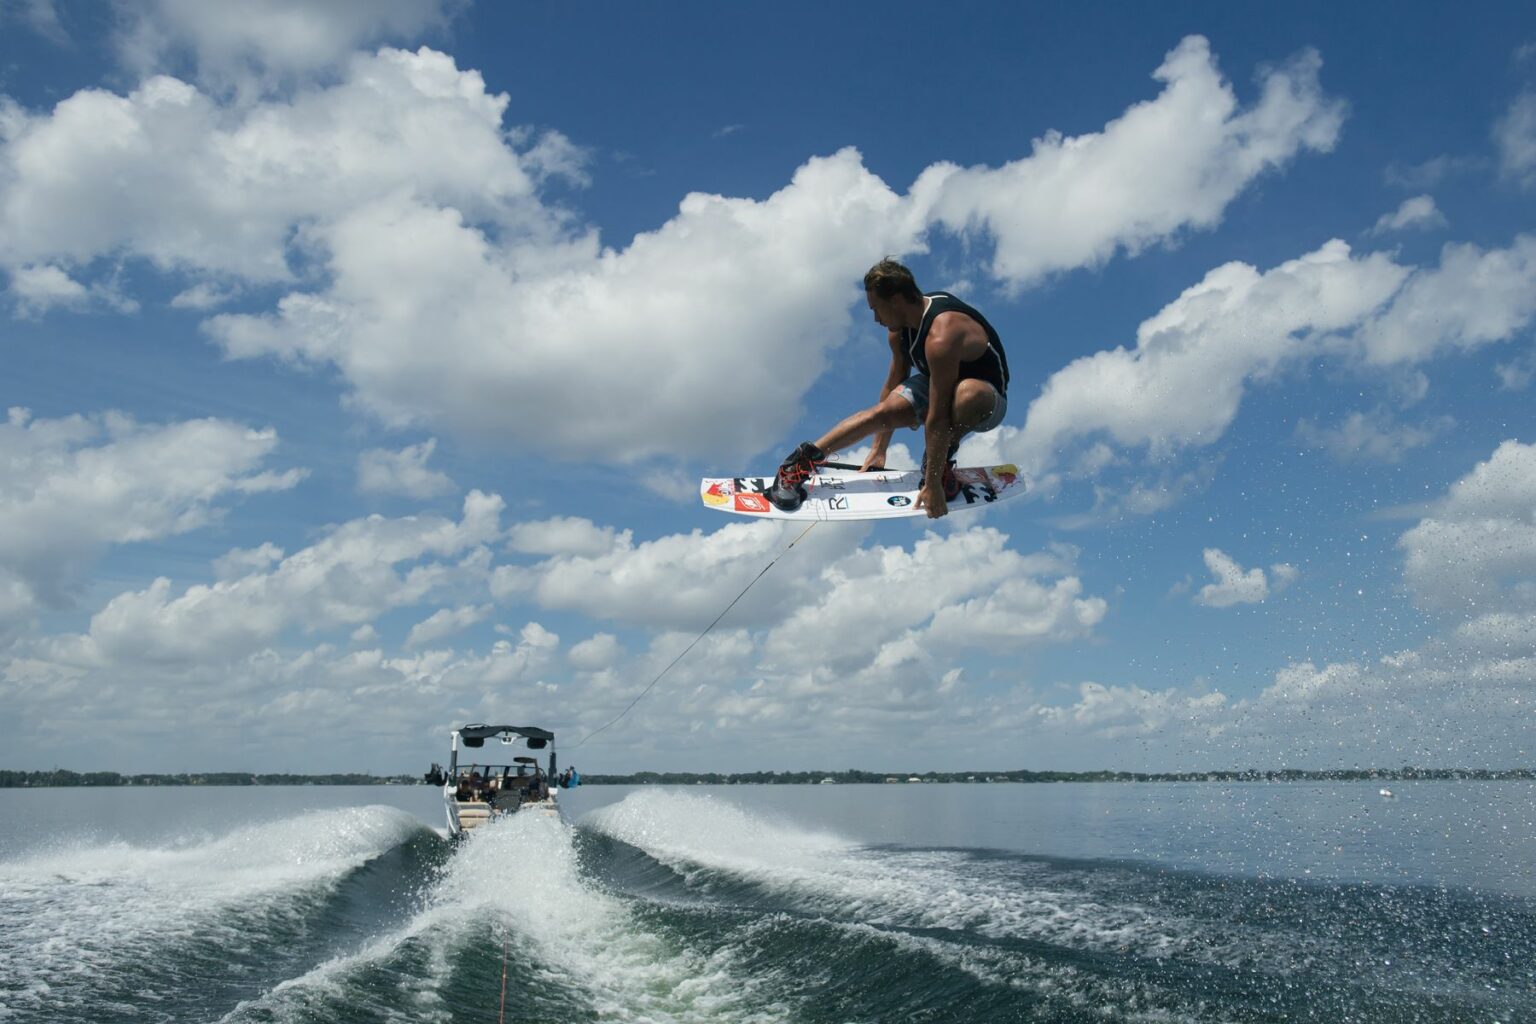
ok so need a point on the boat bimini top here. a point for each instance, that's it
(476, 791)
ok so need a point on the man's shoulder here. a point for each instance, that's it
(952, 321)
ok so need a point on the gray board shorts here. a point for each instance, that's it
(915, 390)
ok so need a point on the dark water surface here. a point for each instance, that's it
(1115, 902)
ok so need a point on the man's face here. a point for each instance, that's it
(885, 310)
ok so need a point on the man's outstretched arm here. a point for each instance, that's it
(893, 378)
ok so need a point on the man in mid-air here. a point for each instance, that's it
(948, 374)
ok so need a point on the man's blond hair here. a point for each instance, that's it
(888, 278)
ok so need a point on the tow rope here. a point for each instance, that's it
(701, 636)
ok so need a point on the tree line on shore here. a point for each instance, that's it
(64, 777)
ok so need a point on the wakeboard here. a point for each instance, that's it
(847, 494)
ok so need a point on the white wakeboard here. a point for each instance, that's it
(833, 494)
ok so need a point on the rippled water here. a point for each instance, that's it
(835, 904)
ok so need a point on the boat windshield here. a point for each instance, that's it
(484, 782)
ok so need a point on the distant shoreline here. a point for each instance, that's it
(63, 778)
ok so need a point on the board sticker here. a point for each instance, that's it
(840, 494)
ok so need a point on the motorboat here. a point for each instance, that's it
(510, 781)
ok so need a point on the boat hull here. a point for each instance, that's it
(464, 816)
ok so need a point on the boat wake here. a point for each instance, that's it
(678, 908)
(101, 929)
(1132, 942)
(511, 898)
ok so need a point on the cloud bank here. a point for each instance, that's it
(424, 260)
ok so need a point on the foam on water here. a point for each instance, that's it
(1050, 982)
(515, 885)
(76, 913)
(711, 913)
(702, 836)
(333, 981)
(678, 828)
(524, 871)
(272, 855)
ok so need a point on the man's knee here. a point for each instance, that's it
(892, 413)
(974, 402)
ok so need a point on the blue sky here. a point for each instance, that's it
(362, 359)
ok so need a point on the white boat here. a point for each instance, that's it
(506, 782)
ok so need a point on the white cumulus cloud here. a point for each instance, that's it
(382, 471)
(565, 535)
(682, 581)
(248, 43)
(734, 305)
(1373, 436)
(446, 622)
(597, 652)
(829, 618)
(70, 487)
(1240, 326)
(241, 561)
(1235, 585)
(40, 288)
(168, 174)
(1475, 297)
(1236, 325)
(966, 589)
(1166, 164)
(1475, 553)
(1515, 137)
(1419, 212)
(1518, 373)
(452, 292)
(348, 578)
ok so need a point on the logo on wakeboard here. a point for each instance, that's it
(751, 503)
(899, 500)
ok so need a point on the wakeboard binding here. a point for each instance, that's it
(788, 490)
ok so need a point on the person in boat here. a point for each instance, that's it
(948, 375)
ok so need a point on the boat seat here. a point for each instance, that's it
(472, 815)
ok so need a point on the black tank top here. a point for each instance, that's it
(991, 367)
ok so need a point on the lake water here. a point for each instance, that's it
(1066, 902)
